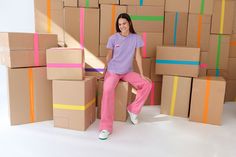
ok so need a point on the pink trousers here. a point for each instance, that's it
(142, 86)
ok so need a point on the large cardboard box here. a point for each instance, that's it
(30, 95)
(175, 31)
(143, 3)
(232, 69)
(175, 95)
(95, 66)
(109, 14)
(25, 49)
(154, 97)
(89, 3)
(177, 6)
(122, 100)
(199, 31)
(82, 29)
(223, 16)
(146, 66)
(74, 103)
(65, 64)
(151, 40)
(147, 18)
(109, 1)
(230, 94)
(49, 18)
(218, 52)
(180, 61)
(203, 64)
(232, 51)
(70, 3)
(207, 100)
(201, 7)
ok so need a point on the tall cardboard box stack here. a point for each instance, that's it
(29, 92)
(176, 21)
(74, 95)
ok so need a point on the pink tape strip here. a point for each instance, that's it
(60, 65)
(144, 49)
(203, 65)
(152, 101)
(36, 49)
(82, 28)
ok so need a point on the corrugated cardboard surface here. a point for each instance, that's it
(77, 93)
(203, 64)
(232, 69)
(19, 95)
(230, 94)
(90, 3)
(122, 99)
(178, 54)
(145, 2)
(178, 39)
(70, 3)
(211, 104)
(232, 49)
(65, 56)
(214, 72)
(177, 6)
(109, 1)
(182, 94)
(194, 30)
(146, 65)
(195, 7)
(95, 67)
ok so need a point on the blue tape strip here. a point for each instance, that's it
(141, 2)
(175, 27)
(183, 62)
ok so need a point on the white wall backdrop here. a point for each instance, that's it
(17, 16)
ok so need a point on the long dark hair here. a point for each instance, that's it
(127, 17)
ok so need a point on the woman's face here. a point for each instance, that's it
(123, 25)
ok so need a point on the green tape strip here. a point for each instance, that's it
(202, 7)
(218, 54)
(148, 18)
(87, 3)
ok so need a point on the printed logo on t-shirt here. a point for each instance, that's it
(117, 45)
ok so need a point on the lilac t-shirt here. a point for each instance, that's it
(123, 52)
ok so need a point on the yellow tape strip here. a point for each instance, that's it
(74, 107)
(174, 93)
(222, 17)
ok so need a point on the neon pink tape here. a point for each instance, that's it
(82, 28)
(60, 65)
(36, 49)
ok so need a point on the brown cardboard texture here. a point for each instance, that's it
(95, 66)
(71, 3)
(232, 49)
(207, 100)
(88, 4)
(177, 6)
(196, 7)
(74, 103)
(146, 65)
(143, 3)
(230, 94)
(109, 1)
(203, 64)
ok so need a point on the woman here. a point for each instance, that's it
(122, 47)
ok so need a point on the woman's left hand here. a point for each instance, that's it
(146, 78)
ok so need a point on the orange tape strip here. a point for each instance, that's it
(113, 14)
(199, 31)
(49, 16)
(206, 100)
(31, 94)
(233, 43)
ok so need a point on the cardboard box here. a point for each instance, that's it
(223, 24)
(89, 3)
(232, 69)
(218, 52)
(232, 49)
(146, 65)
(30, 95)
(94, 66)
(109, 14)
(49, 18)
(80, 30)
(154, 77)
(74, 103)
(230, 94)
(175, 95)
(214, 72)
(25, 49)
(175, 31)
(207, 100)
(154, 97)
(143, 3)
(201, 7)
(199, 31)
(151, 40)
(180, 61)
(70, 3)
(122, 99)
(109, 1)
(203, 64)
(65, 64)
(177, 6)
(147, 18)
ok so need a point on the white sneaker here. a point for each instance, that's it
(104, 134)
(133, 118)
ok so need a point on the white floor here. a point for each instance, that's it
(156, 136)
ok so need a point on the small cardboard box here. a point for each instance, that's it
(74, 103)
(122, 100)
(207, 100)
(175, 95)
(180, 61)
(65, 64)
